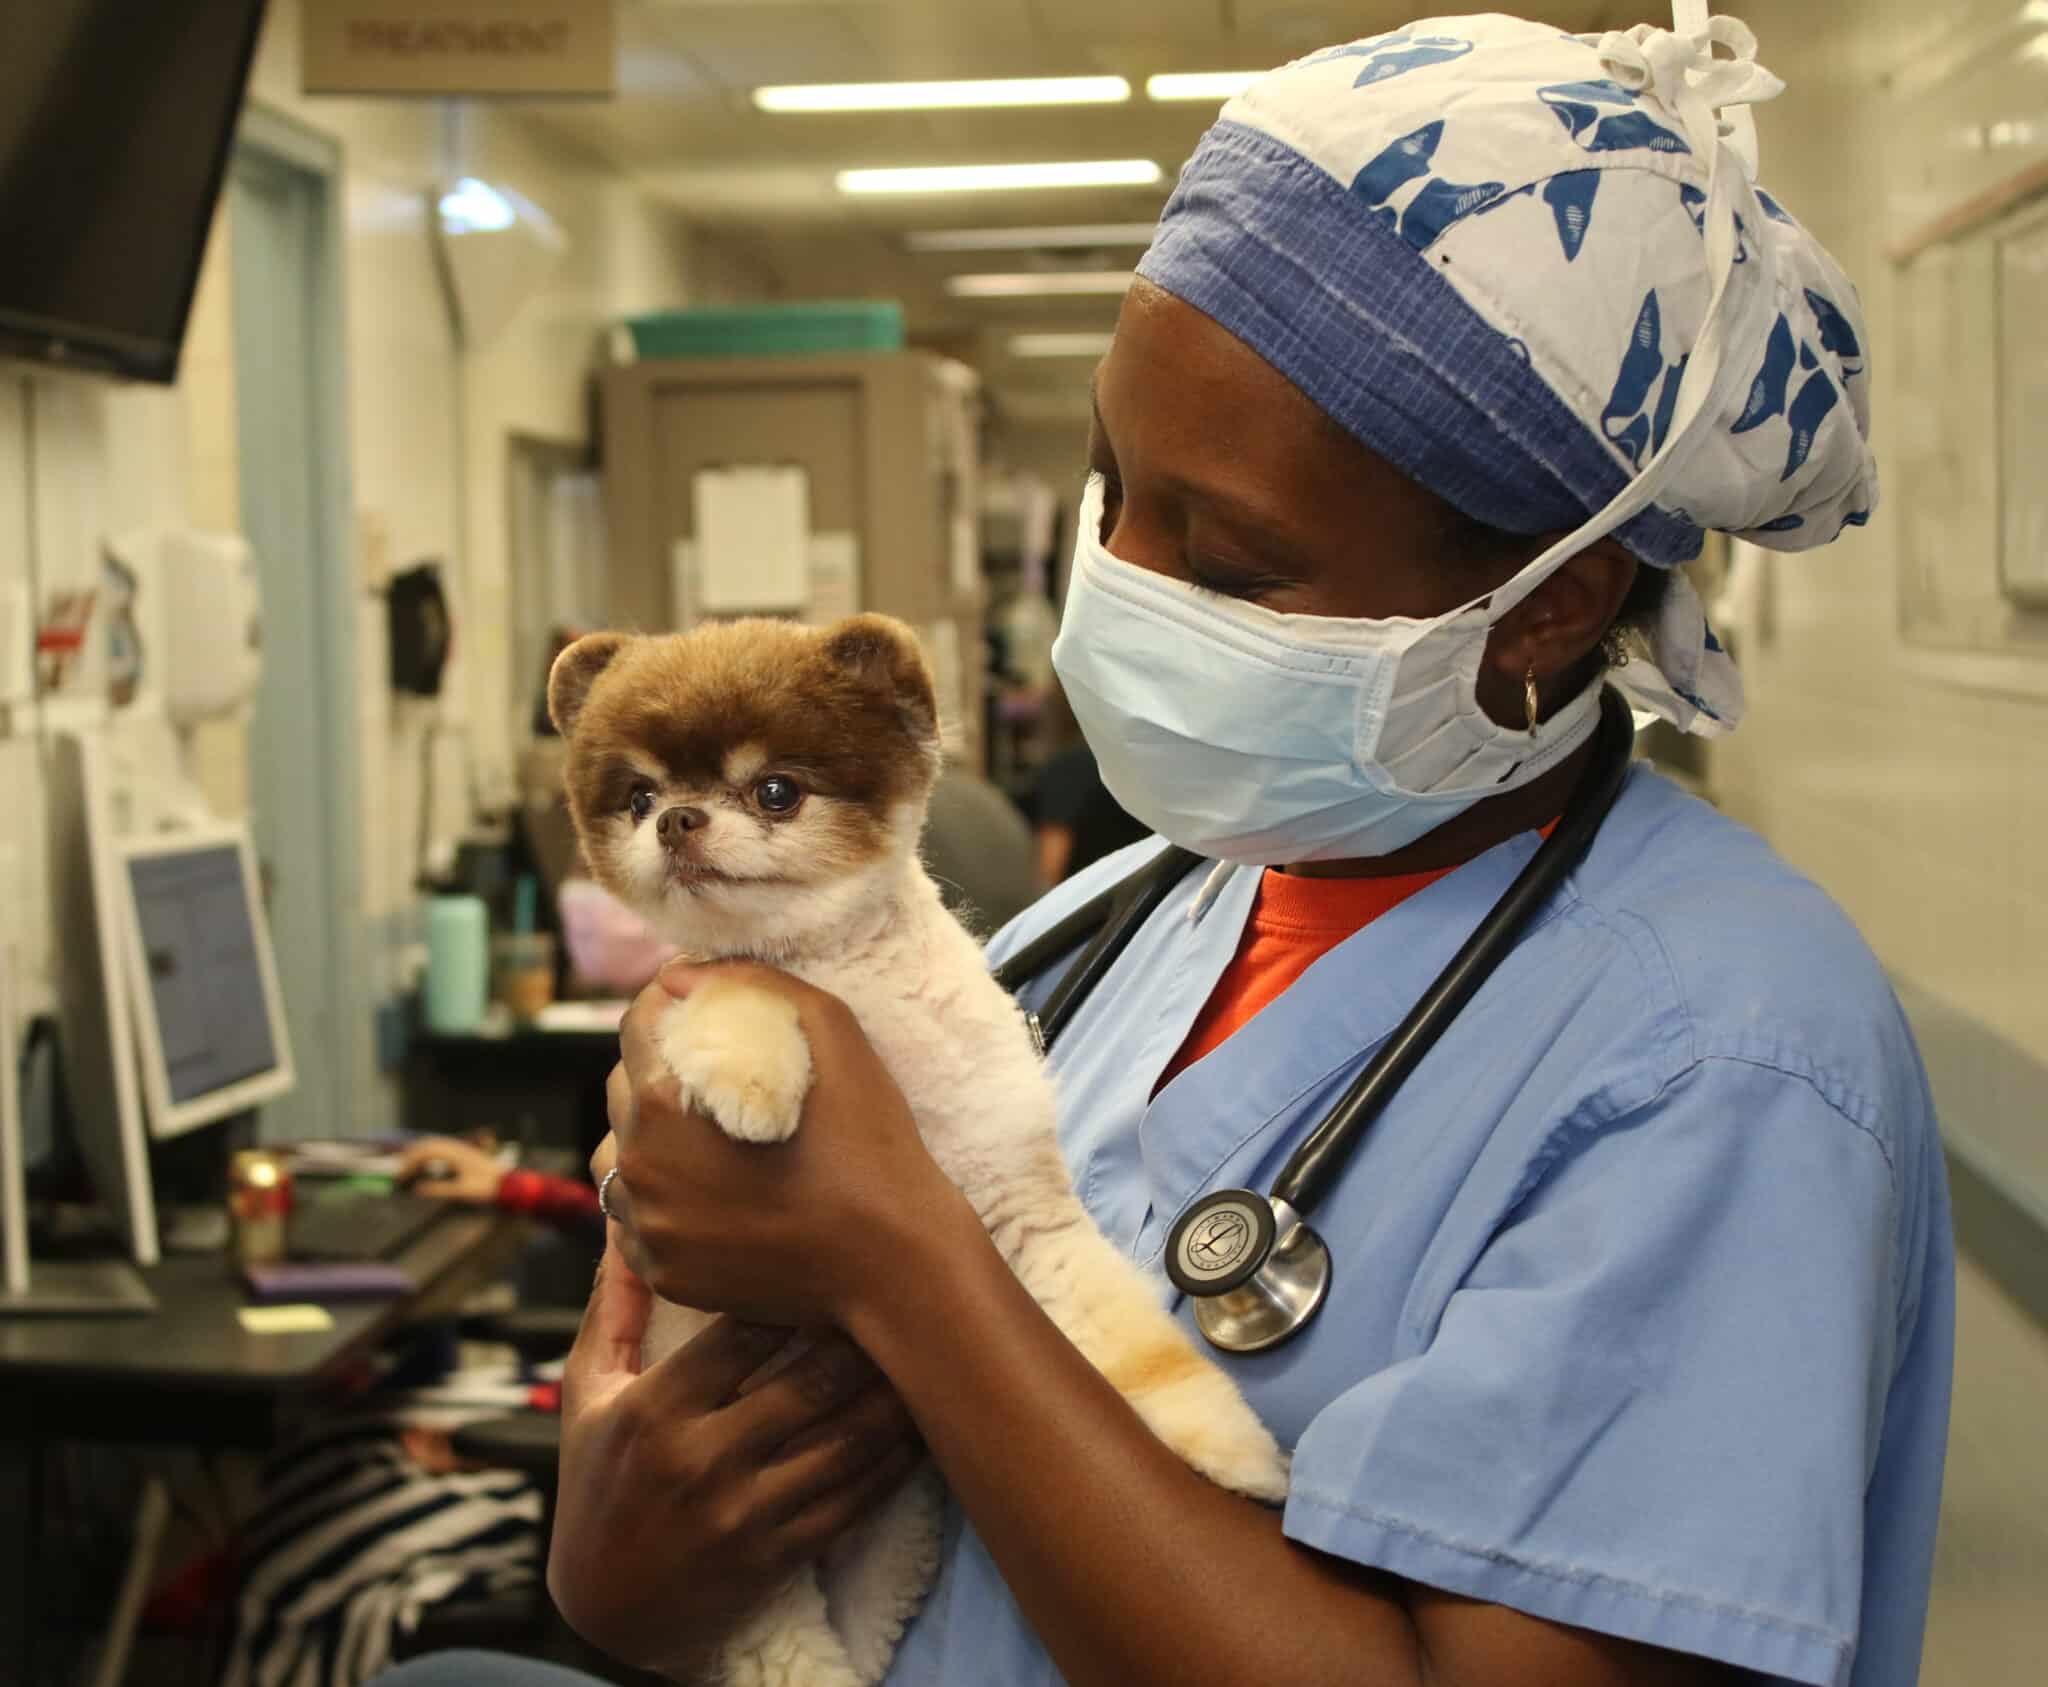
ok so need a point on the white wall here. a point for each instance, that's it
(430, 421)
(1916, 799)
(79, 460)
(428, 430)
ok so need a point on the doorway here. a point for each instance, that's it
(284, 221)
(555, 543)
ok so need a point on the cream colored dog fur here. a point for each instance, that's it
(853, 912)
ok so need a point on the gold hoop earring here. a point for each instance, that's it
(1529, 699)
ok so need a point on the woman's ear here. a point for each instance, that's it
(1562, 621)
(575, 671)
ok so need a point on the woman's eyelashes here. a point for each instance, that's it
(1243, 584)
(1245, 581)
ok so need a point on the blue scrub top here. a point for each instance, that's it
(1643, 1300)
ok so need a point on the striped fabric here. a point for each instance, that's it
(354, 1540)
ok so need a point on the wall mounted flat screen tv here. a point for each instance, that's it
(115, 121)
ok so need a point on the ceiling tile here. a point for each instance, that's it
(1094, 20)
(746, 45)
(935, 40)
(683, 126)
(1299, 26)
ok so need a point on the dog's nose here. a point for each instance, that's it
(675, 823)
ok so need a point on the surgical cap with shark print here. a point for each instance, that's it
(1491, 252)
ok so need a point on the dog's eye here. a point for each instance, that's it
(641, 803)
(778, 795)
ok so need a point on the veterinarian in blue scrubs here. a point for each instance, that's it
(1635, 1366)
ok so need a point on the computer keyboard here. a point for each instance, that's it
(358, 1224)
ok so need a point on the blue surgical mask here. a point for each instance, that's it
(1260, 738)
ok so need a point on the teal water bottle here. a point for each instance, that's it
(458, 963)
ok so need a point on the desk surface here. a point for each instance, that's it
(568, 1044)
(188, 1374)
(194, 1341)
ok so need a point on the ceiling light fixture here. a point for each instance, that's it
(1039, 282)
(1218, 85)
(1065, 236)
(983, 178)
(943, 96)
(1059, 345)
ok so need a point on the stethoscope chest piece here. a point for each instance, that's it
(1256, 1270)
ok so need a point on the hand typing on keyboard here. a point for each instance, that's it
(445, 1168)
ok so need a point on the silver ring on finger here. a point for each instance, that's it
(602, 1205)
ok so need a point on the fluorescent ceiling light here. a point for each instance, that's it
(970, 178)
(1216, 85)
(937, 96)
(1024, 239)
(474, 207)
(1059, 345)
(1038, 282)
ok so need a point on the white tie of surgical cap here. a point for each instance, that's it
(1677, 68)
(1685, 677)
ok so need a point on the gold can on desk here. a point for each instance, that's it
(259, 1206)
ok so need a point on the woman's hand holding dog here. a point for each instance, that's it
(794, 1233)
(683, 1502)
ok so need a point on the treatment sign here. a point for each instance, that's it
(457, 46)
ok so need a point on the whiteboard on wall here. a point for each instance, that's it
(1971, 335)
(2023, 411)
(1964, 202)
(1947, 497)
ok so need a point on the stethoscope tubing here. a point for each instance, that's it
(1314, 1166)
(1118, 914)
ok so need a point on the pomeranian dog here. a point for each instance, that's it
(756, 789)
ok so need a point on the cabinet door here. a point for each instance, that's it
(816, 427)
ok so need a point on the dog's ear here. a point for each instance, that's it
(575, 671)
(881, 651)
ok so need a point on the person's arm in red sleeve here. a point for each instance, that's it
(446, 1168)
(564, 1201)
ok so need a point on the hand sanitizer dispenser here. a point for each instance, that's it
(213, 624)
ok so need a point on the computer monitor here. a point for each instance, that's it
(123, 1099)
(209, 1019)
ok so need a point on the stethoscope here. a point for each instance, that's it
(1256, 1269)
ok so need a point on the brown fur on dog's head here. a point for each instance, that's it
(702, 722)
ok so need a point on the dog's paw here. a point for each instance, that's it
(1200, 1414)
(741, 1058)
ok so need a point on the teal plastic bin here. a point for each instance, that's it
(811, 328)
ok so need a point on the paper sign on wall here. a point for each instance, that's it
(753, 543)
(835, 577)
(457, 46)
(834, 580)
